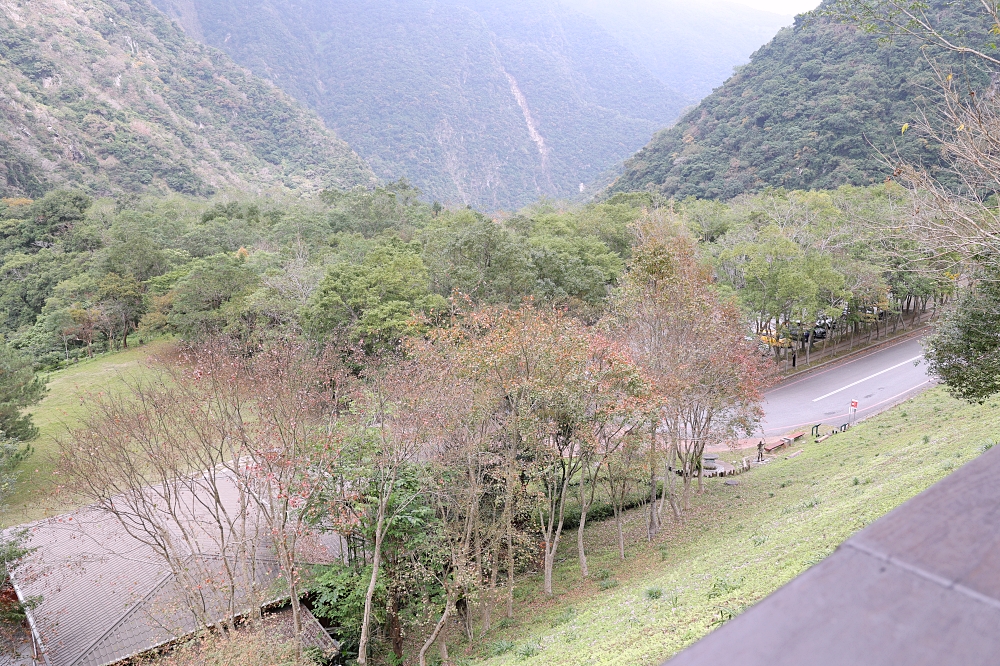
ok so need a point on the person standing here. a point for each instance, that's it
(760, 451)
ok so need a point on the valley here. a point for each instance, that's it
(459, 332)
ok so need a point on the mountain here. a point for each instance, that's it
(690, 47)
(112, 96)
(485, 102)
(812, 109)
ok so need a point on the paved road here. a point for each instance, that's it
(877, 380)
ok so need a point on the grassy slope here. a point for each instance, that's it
(38, 493)
(740, 543)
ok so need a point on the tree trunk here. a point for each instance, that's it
(621, 533)
(510, 575)
(550, 558)
(422, 657)
(670, 485)
(653, 525)
(510, 557)
(585, 504)
(395, 628)
(579, 545)
(487, 620)
(370, 594)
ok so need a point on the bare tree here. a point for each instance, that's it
(209, 463)
(621, 476)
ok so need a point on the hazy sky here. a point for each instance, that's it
(781, 6)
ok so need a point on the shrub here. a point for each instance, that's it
(564, 617)
(528, 650)
(653, 593)
(723, 586)
(725, 614)
(502, 646)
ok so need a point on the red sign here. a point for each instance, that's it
(854, 404)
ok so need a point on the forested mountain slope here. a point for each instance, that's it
(112, 96)
(487, 102)
(811, 110)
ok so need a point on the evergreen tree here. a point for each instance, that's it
(19, 388)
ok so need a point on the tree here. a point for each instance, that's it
(533, 364)
(374, 300)
(964, 350)
(19, 388)
(458, 473)
(85, 322)
(706, 377)
(209, 298)
(51, 218)
(621, 476)
(120, 304)
(389, 425)
(616, 398)
(479, 257)
(217, 454)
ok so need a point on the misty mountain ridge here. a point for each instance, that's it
(475, 101)
(690, 48)
(480, 102)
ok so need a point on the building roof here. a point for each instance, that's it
(919, 586)
(107, 595)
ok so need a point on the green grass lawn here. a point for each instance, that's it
(38, 492)
(738, 544)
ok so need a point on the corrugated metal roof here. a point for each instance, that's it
(106, 595)
(919, 586)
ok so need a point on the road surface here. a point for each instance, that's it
(877, 380)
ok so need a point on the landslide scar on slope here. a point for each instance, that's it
(522, 102)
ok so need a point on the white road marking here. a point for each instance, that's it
(898, 365)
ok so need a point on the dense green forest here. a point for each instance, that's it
(80, 276)
(370, 267)
(114, 97)
(812, 109)
(474, 101)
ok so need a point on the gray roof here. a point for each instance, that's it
(106, 595)
(919, 586)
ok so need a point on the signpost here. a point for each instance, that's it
(854, 411)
